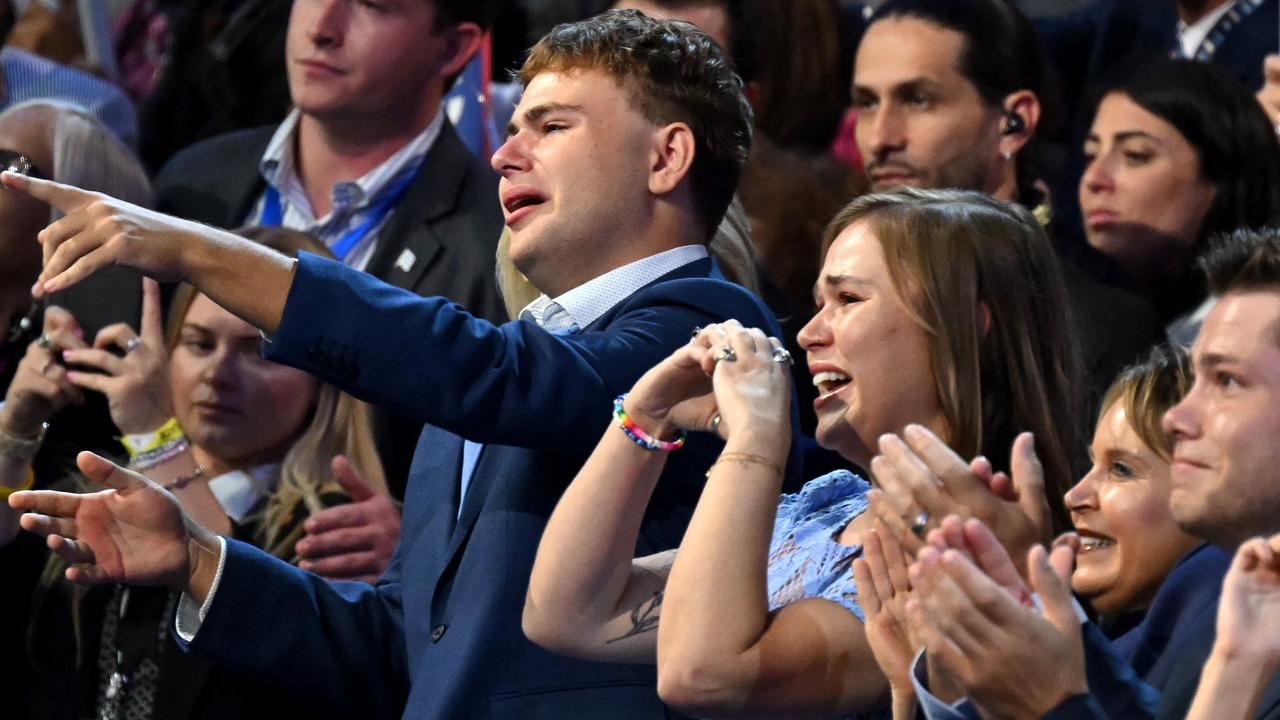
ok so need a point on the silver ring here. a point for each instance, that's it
(727, 354)
(43, 342)
(919, 524)
(715, 423)
(132, 344)
(696, 329)
(782, 356)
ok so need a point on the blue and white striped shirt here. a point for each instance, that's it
(350, 200)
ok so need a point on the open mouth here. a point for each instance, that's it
(523, 202)
(1089, 543)
(828, 382)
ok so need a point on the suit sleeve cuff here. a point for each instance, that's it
(189, 615)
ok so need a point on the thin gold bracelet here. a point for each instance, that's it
(746, 459)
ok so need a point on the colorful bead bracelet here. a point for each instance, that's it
(637, 433)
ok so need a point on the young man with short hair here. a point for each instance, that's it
(623, 155)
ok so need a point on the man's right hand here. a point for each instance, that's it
(134, 532)
(98, 231)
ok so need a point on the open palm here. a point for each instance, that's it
(133, 532)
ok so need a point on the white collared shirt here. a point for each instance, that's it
(1192, 36)
(239, 491)
(574, 310)
(589, 301)
(349, 200)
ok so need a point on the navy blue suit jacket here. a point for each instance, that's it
(439, 636)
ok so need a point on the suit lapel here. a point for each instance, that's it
(409, 244)
(437, 462)
(490, 465)
(478, 489)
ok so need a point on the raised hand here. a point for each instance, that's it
(354, 541)
(1246, 650)
(700, 382)
(979, 634)
(752, 384)
(922, 478)
(98, 231)
(133, 532)
(136, 384)
(1249, 611)
(883, 591)
(40, 386)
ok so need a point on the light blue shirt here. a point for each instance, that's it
(576, 309)
(349, 201)
(31, 77)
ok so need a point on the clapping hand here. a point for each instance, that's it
(1249, 611)
(986, 633)
(922, 481)
(883, 591)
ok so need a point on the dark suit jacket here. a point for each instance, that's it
(449, 218)
(1169, 648)
(439, 636)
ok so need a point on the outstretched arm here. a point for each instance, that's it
(98, 231)
(133, 532)
(1246, 650)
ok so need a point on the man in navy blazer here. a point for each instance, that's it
(624, 152)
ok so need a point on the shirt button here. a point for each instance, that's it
(437, 632)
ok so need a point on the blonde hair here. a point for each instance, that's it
(980, 277)
(1147, 390)
(340, 424)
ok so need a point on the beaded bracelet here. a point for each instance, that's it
(637, 433)
(184, 480)
(161, 455)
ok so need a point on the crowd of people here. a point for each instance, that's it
(751, 376)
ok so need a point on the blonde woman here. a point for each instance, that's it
(247, 447)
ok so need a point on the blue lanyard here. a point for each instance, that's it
(1218, 33)
(273, 214)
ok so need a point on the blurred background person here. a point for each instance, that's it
(1178, 152)
(245, 446)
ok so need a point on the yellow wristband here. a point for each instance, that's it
(167, 433)
(27, 484)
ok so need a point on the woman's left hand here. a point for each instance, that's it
(751, 379)
(883, 591)
(136, 383)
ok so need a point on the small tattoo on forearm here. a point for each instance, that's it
(644, 618)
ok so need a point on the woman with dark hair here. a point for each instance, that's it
(924, 317)
(1178, 152)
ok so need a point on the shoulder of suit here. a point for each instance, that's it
(712, 295)
(233, 148)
